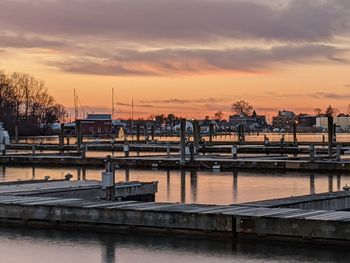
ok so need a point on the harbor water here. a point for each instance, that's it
(23, 244)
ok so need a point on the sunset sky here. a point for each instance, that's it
(188, 57)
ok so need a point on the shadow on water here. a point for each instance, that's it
(111, 246)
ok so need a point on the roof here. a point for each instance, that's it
(99, 117)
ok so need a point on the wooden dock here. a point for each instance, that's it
(66, 204)
(220, 221)
(206, 162)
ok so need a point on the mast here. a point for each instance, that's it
(132, 118)
(76, 112)
(113, 104)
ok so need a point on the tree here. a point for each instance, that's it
(219, 115)
(318, 111)
(242, 107)
(25, 102)
(330, 111)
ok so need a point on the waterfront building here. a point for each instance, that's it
(250, 123)
(284, 120)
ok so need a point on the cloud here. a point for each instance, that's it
(188, 61)
(181, 20)
(22, 41)
(167, 37)
(330, 95)
(184, 101)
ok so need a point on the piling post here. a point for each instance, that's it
(145, 132)
(61, 140)
(338, 152)
(138, 132)
(79, 135)
(33, 149)
(330, 183)
(108, 179)
(196, 135)
(182, 142)
(330, 136)
(312, 153)
(295, 142)
(152, 132)
(211, 132)
(191, 146)
(126, 148)
(84, 150)
(2, 144)
(168, 150)
(234, 151)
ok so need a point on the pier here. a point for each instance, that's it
(218, 221)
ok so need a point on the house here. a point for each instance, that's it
(284, 120)
(250, 123)
(306, 122)
(96, 124)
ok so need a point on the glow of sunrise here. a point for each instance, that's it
(188, 57)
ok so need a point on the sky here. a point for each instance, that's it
(188, 57)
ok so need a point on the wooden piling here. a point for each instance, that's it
(182, 142)
(330, 136)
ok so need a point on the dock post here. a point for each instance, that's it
(33, 149)
(295, 141)
(126, 148)
(108, 179)
(138, 132)
(191, 146)
(211, 131)
(234, 151)
(330, 183)
(196, 135)
(3, 146)
(182, 142)
(312, 153)
(330, 136)
(183, 186)
(84, 150)
(61, 140)
(145, 132)
(152, 132)
(312, 183)
(112, 145)
(338, 152)
(79, 136)
(168, 150)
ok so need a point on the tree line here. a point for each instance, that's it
(26, 108)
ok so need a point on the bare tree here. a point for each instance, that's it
(24, 98)
(219, 115)
(318, 111)
(330, 111)
(242, 107)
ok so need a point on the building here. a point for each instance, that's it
(284, 120)
(322, 122)
(306, 122)
(343, 122)
(97, 124)
(250, 123)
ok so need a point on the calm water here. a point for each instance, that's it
(273, 137)
(203, 186)
(42, 246)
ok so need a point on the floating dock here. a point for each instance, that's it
(223, 163)
(220, 221)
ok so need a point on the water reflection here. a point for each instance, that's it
(22, 245)
(201, 186)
